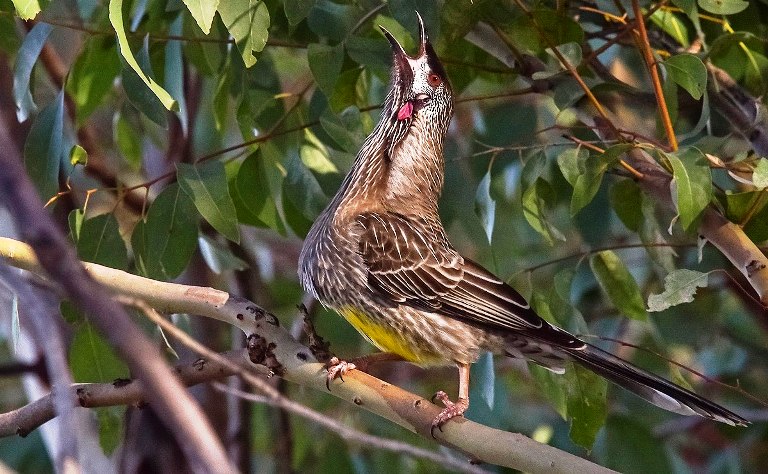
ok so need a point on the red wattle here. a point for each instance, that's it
(405, 111)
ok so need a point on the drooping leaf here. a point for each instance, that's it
(165, 240)
(626, 200)
(588, 183)
(27, 9)
(92, 359)
(174, 71)
(128, 141)
(679, 287)
(111, 420)
(303, 190)
(622, 290)
(78, 156)
(203, 12)
(723, 7)
(689, 72)
(217, 257)
(254, 193)
(98, 240)
(25, 61)
(672, 25)
(571, 163)
(485, 205)
(587, 407)
(537, 199)
(297, 10)
(93, 75)
(248, 23)
(42, 150)
(206, 185)
(693, 184)
(116, 18)
(325, 62)
(142, 96)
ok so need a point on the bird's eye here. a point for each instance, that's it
(434, 80)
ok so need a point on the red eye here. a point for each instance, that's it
(434, 80)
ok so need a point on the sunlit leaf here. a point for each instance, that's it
(679, 287)
(248, 23)
(27, 9)
(622, 290)
(93, 75)
(760, 174)
(672, 25)
(78, 156)
(723, 7)
(116, 18)
(203, 12)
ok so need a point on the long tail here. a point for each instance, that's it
(660, 392)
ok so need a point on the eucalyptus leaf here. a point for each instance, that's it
(622, 290)
(689, 72)
(203, 12)
(25, 60)
(42, 150)
(206, 185)
(692, 184)
(679, 287)
(248, 23)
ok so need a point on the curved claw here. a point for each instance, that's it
(337, 369)
(451, 410)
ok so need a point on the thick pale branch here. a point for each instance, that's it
(293, 361)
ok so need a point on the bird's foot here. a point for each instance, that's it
(451, 410)
(337, 369)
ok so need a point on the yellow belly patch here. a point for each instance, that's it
(385, 338)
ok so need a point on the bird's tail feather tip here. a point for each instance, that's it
(653, 388)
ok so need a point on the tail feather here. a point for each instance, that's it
(659, 391)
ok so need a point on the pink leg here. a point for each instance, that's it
(339, 368)
(457, 408)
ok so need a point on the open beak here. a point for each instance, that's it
(404, 72)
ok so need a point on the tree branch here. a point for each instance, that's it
(178, 409)
(282, 355)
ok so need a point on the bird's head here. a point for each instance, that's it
(420, 87)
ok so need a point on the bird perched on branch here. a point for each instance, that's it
(380, 257)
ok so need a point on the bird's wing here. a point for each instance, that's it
(410, 261)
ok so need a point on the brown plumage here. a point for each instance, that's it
(379, 256)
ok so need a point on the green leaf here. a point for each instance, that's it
(206, 185)
(174, 71)
(485, 205)
(588, 183)
(140, 95)
(78, 156)
(345, 130)
(672, 25)
(760, 174)
(248, 23)
(111, 421)
(693, 184)
(558, 29)
(128, 141)
(622, 290)
(98, 240)
(22, 69)
(42, 150)
(679, 287)
(587, 407)
(27, 9)
(218, 257)
(723, 7)
(92, 359)
(537, 199)
(325, 63)
(116, 18)
(631, 448)
(203, 12)
(254, 192)
(15, 326)
(689, 72)
(297, 10)
(626, 199)
(571, 163)
(93, 75)
(302, 189)
(166, 239)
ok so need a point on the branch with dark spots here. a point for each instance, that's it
(319, 347)
(261, 352)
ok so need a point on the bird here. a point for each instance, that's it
(380, 257)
